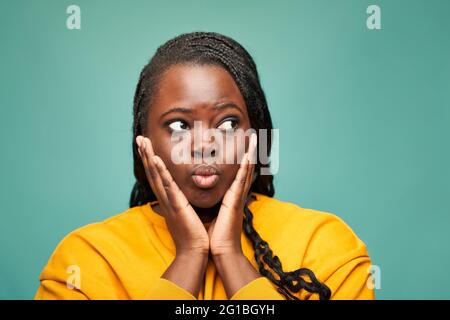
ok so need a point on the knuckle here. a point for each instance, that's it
(152, 173)
(167, 183)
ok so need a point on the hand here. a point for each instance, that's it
(225, 230)
(186, 228)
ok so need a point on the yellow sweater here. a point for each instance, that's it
(124, 257)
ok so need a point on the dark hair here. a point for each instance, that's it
(209, 48)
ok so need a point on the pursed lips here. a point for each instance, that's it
(205, 176)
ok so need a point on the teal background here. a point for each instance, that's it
(363, 117)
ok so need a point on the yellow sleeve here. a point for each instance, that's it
(84, 266)
(55, 290)
(339, 259)
(258, 289)
(164, 289)
(78, 270)
(347, 283)
(350, 282)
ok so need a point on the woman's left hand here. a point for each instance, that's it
(225, 230)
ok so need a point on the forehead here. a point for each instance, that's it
(197, 85)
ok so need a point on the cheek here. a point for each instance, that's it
(162, 150)
(165, 152)
(229, 172)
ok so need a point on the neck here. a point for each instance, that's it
(208, 214)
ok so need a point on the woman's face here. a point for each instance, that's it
(207, 94)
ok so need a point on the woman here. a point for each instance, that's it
(206, 229)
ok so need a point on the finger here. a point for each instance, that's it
(237, 187)
(152, 173)
(233, 197)
(175, 197)
(252, 162)
(249, 180)
(149, 147)
(138, 143)
(149, 153)
(141, 148)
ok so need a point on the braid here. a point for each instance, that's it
(209, 48)
(264, 255)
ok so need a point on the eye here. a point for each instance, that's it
(229, 125)
(178, 125)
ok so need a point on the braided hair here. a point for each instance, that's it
(209, 48)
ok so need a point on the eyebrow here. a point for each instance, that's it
(218, 107)
(177, 109)
(228, 105)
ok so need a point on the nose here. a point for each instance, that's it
(204, 152)
(203, 145)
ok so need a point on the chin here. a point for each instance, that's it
(205, 198)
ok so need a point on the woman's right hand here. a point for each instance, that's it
(185, 226)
